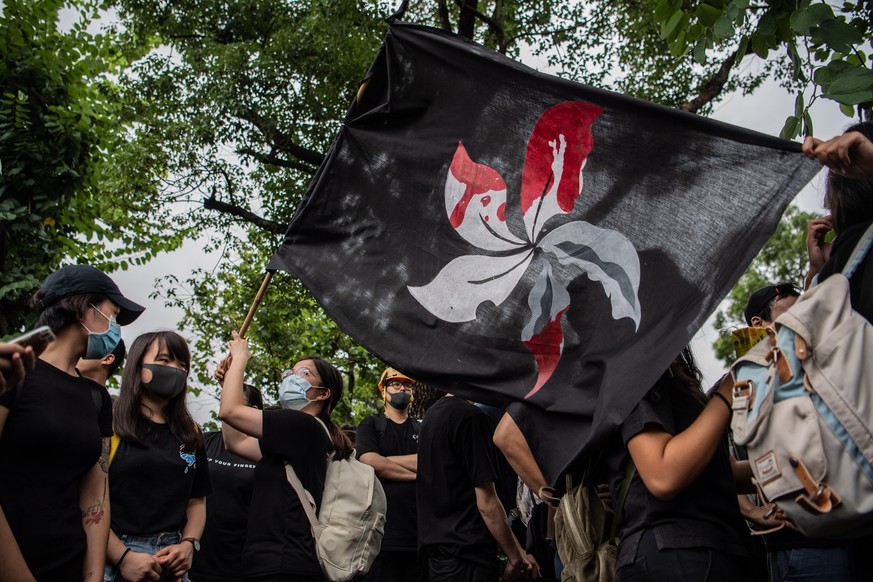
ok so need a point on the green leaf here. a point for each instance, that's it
(838, 35)
(790, 129)
(798, 105)
(724, 28)
(852, 87)
(707, 14)
(672, 24)
(700, 51)
(847, 110)
(803, 20)
(759, 46)
(663, 11)
(807, 124)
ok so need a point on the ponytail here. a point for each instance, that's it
(341, 446)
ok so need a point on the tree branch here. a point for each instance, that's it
(276, 161)
(713, 87)
(212, 203)
(469, 6)
(443, 12)
(467, 17)
(279, 139)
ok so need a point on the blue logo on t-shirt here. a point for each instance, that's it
(189, 458)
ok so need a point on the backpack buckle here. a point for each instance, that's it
(818, 497)
(744, 389)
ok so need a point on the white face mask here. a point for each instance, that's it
(292, 392)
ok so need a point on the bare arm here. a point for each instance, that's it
(178, 558)
(240, 443)
(511, 442)
(408, 462)
(386, 468)
(94, 503)
(13, 568)
(668, 464)
(233, 409)
(495, 520)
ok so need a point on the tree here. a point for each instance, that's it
(59, 131)
(813, 48)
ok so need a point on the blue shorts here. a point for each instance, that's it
(146, 545)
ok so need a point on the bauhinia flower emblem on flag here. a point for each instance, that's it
(475, 197)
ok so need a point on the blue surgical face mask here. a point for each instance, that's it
(292, 392)
(101, 345)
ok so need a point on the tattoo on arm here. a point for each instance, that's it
(104, 455)
(93, 514)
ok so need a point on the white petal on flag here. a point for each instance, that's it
(606, 256)
(547, 299)
(468, 281)
(476, 204)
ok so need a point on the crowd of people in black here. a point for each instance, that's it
(92, 488)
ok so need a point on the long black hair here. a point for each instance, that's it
(128, 421)
(684, 375)
(850, 201)
(331, 378)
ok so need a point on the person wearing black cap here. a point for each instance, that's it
(768, 303)
(55, 436)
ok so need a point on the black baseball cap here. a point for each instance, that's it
(763, 296)
(80, 279)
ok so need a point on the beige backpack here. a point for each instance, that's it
(803, 407)
(351, 521)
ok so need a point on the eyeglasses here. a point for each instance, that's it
(305, 373)
(400, 385)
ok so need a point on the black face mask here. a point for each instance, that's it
(400, 400)
(167, 381)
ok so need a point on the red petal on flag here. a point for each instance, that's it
(547, 347)
(477, 178)
(573, 120)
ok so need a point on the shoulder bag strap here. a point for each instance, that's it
(305, 498)
(381, 423)
(114, 441)
(859, 253)
(622, 496)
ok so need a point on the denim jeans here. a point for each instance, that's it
(813, 564)
(146, 545)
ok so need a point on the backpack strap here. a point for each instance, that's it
(114, 441)
(859, 253)
(622, 496)
(381, 424)
(305, 497)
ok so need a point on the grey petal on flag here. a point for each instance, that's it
(606, 256)
(468, 281)
(547, 299)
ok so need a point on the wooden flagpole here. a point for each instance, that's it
(255, 304)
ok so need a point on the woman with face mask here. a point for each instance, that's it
(279, 544)
(159, 475)
(55, 426)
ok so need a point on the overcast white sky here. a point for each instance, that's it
(764, 111)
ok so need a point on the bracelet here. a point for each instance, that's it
(121, 559)
(721, 397)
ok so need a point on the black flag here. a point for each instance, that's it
(507, 235)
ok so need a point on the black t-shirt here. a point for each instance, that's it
(151, 485)
(705, 514)
(52, 438)
(401, 530)
(220, 558)
(861, 283)
(455, 455)
(279, 539)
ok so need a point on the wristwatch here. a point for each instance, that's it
(194, 542)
